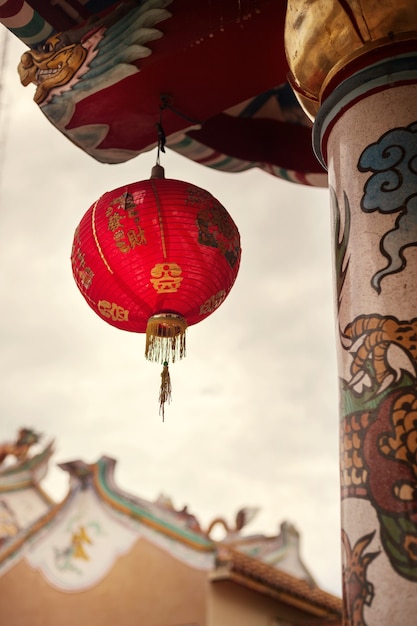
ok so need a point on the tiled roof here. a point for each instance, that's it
(242, 568)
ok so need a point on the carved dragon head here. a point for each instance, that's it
(54, 65)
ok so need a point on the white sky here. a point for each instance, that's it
(254, 417)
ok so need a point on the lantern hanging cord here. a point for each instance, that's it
(161, 140)
(166, 103)
(161, 135)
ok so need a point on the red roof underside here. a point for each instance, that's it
(202, 79)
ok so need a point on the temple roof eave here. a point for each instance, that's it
(240, 568)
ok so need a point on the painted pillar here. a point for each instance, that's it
(359, 83)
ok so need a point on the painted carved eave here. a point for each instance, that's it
(225, 104)
(249, 572)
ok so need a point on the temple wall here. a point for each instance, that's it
(145, 586)
(233, 605)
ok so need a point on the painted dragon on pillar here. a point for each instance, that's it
(379, 395)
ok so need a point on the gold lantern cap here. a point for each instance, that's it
(324, 37)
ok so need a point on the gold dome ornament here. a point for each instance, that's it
(325, 38)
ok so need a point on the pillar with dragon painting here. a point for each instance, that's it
(354, 70)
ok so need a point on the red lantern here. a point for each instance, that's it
(155, 257)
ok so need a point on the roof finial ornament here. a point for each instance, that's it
(19, 448)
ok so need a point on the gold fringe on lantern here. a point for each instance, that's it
(165, 390)
(165, 338)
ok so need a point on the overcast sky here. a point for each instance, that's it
(254, 416)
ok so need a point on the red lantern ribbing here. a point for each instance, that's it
(155, 257)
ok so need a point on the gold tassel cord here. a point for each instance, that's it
(165, 392)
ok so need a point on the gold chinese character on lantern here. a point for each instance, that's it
(113, 311)
(86, 276)
(212, 303)
(166, 277)
(85, 273)
(125, 238)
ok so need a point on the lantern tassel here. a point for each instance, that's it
(165, 338)
(165, 391)
(165, 342)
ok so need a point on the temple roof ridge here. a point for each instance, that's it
(280, 551)
(159, 515)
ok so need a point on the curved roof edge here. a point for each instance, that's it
(161, 517)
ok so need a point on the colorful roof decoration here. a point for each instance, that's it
(99, 519)
(22, 499)
(26, 470)
(215, 79)
(280, 551)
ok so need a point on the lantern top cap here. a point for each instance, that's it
(158, 171)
